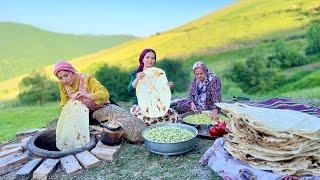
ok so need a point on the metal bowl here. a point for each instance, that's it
(170, 148)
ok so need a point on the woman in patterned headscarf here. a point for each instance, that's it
(204, 92)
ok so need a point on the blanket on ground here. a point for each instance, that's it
(220, 161)
(283, 103)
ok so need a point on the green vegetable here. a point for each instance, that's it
(222, 118)
(198, 119)
(169, 134)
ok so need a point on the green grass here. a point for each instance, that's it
(25, 48)
(136, 162)
(241, 24)
(13, 119)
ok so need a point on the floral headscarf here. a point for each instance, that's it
(199, 88)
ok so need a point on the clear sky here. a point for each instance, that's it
(135, 17)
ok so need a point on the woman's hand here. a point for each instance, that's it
(193, 107)
(79, 95)
(214, 114)
(140, 76)
(170, 84)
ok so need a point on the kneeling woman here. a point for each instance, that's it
(204, 92)
(81, 87)
(147, 60)
(95, 97)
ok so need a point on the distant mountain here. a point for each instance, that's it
(242, 24)
(25, 48)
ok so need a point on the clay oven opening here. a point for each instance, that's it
(44, 145)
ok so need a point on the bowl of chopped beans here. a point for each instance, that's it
(170, 138)
(196, 119)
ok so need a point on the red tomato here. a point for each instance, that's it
(214, 131)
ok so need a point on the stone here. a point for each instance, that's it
(131, 125)
(27, 170)
(104, 153)
(46, 169)
(11, 162)
(24, 141)
(10, 152)
(70, 164)
(30, 131)
(100, 144)
(87, 160)
(10, 146)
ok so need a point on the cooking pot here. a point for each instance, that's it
(112, 133)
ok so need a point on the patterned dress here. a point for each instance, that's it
(204, 94)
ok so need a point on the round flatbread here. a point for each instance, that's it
(73, 126)
(153, 93)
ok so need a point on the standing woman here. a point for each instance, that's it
(204, 92)
(147, 59)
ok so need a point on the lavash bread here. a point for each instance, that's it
(283, 141)
(131, 125)
(73, 126)
(153, 93)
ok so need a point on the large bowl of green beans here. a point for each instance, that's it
(170, 138)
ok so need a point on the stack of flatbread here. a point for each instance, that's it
(283, 141)
(153, 93)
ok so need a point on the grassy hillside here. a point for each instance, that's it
(242, 24)
(24, 118)
(25, 48)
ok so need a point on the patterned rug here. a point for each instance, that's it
(282, 103)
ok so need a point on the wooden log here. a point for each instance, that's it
(27, 170)
(46, 169)
(70, 164)
(87, 160)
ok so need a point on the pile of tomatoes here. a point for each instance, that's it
(218, 129)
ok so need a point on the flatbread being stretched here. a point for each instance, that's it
(73, 126)
(153, 93)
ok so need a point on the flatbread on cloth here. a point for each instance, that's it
(270, 121)
(153, 93)
(73, 126)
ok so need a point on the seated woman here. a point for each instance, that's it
(81, 87)
(147, 59)
(95, 97)
(204, 92)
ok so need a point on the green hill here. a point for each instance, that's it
(243, 24)
(25, 48)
